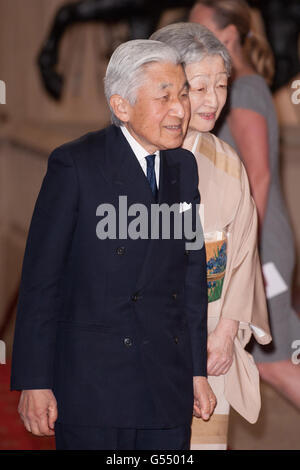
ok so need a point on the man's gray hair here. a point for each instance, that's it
(126, 69)
(194, 42)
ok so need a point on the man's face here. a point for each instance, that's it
(159, 117)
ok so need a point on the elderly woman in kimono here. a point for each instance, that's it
(237, 305)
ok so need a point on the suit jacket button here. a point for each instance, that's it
(186, 252)
(128, 342)
(176, 339)
(174, 296)
(136, 297)
(121, 250)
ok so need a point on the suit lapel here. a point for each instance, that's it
(121, 169)
(168, 194)
(169, 180)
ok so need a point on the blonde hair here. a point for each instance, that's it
(255, 44)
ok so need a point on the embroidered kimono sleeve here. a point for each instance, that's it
(243, 291)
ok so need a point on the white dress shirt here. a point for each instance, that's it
(141, 153)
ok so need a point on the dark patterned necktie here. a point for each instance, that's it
(151, 175)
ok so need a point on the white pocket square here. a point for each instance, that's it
(184, 206)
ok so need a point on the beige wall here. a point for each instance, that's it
(24, 24)
(24, 151)
(21, 172)
(83, 56)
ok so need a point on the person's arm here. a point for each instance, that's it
(47, 248)
(243, 297)
(38, 411)
(243, 284)
(196, 309)
(204, 399)
(250, 132)
(220, 346)
(195, 278)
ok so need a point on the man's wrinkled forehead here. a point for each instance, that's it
(155, 70)
(166, 85)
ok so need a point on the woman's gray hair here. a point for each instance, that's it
(194, 42)
(126, 69)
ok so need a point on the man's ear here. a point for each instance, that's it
(120, 107)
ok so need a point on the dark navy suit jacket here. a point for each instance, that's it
(116, 327)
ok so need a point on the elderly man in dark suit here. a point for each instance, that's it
(110, 339)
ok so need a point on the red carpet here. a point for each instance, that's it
(13, 435)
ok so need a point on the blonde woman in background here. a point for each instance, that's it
(251, 128)
(237, 305)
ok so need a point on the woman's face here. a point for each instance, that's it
(205, 16)
(208, 92)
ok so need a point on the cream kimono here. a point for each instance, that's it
(235, 283)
